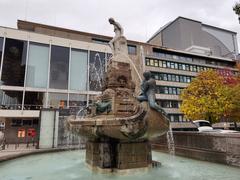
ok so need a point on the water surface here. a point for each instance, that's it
(70, 165)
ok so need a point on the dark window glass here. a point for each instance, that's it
(132, 49)
(161, 90)
(183, 67)
(59, 67)
(178, 91)
(177, 78)
(191, 68)
(183, 58)
(156, 76)
(180, 66)
(164, 64)
(27, 122)
(156, 63)
(160, 63)
(194, 68)
(11, 99)
(165, 77)
(166, 91)
(172, 65)
(161, 76)
(174, 104)
(100, 41)
(169, 56)
(168, 64)
(189, 59)
(96, 70)
(176, 118)
(34, 100)
(169, 77)
(1, 49)
(174, 91)
(175, 65)
(147, 62)
(187, 67)
(184, 79)
(14, 62)
(181, 79)
(16, 123)
(151, 62)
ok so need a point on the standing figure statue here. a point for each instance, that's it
(148, 88)
(119, 43)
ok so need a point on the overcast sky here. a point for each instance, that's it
(140, 18)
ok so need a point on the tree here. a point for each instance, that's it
(236, 8)
(206, 97)
(234, 96)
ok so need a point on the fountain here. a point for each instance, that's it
(119, 125)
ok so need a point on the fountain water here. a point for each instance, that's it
(71, 166)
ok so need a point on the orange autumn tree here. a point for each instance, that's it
(206, 97)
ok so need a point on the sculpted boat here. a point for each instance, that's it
(117, 125)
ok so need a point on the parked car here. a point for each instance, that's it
(203, 125)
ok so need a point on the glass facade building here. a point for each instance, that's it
(37, 75)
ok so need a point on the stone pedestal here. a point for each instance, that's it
(118, 155)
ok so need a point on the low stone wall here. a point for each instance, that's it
(214, 147)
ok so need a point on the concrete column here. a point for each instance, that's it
(48, 133)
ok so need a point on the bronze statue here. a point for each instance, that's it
(148, 88)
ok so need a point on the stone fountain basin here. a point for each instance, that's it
(145, 124)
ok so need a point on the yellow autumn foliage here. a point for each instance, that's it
(207, 97)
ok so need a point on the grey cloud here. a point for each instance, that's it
(140, 18)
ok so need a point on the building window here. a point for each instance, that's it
(156, 63)
(37, 67)
(151, 62)
(160, 63)
(59, 67)
(100, 41)
(180, 67)
(172, 77)
(147, 62)
(169, 90)
(168, 56)
(168, 64)
(169, 103)
(169, 77)
(14, 62)
(1, 49)
(174, 91)
(132, 49)
(34, 100)
(177, 78)
(57, 100)
(77, 101)
(11, 99)
(78, 70)
(164, 64)
(96, 70)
